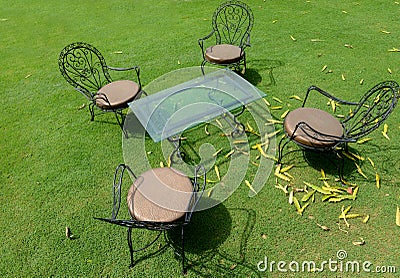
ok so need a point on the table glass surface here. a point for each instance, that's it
(175, 109)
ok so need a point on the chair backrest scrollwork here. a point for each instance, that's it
(83, 66)
(232, 23)
(373, 108)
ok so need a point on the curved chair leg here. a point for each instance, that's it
(184, 270)
(131, 250)
(202, 65)
(91, 110)
(281, 148)
(244, 64)
(130, 247)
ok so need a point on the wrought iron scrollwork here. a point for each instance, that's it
(84, 67)
(232, 22)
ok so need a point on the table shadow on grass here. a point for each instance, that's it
(216, 242)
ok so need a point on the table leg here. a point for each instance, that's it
(237, 127)
(176, 141)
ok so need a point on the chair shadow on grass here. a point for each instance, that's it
(261, 72)
(216, 242)
(327, 161)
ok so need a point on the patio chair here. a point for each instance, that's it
(225, 45)
(160, 199)
(318, 130)
(83, 66)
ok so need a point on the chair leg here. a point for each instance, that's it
(202, 65)
(91, 110)
(183, 252)
(130, 247)
(280, 148)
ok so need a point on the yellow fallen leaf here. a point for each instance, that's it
(217, 152)
(351, 216)
(266, 102)
(366, 218)
(272, 134)
(344, 211)
(250, 186)
(206, 130)
(287, 168)
(372, 163)
(217, 172)
(360, 171)
(284, 114)
(293, 38)
(377, 180)
(296, 203)
(277, 99)
(296, 97)
(385, 32)
(343, 78)
(210, 192)
(279, 107)
(325, 228)
(161, 164)
(359, 242)
(282, 177)
(324, 68)
(307, 196)
(272, 121)
(385, 130)
(283, 188)
(389, 70)
(398, 216)
(291, 195)
(229, 154)
(317, 188)
(362, 141)
(361, 81)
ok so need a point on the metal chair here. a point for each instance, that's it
(318, 130)
(225, 45)
(83, 66)
(160, 199)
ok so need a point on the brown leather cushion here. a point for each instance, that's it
(160, 195)
(119, 93)
(223, 54)
(319, 120)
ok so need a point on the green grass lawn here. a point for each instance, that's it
(57, 166)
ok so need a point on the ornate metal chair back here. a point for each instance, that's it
(373, 108)
(83, 66)
(232, 23)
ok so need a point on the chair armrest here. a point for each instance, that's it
(135, 68)
(198, 190)
(326, 94)
(202, 40)
(117, 184)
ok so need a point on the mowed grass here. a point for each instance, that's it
(57, 166)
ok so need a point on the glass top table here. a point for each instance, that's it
(175, 109)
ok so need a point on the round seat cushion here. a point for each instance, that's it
(119, 93)
(319, 120)
(160, 195)
(224, 54)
